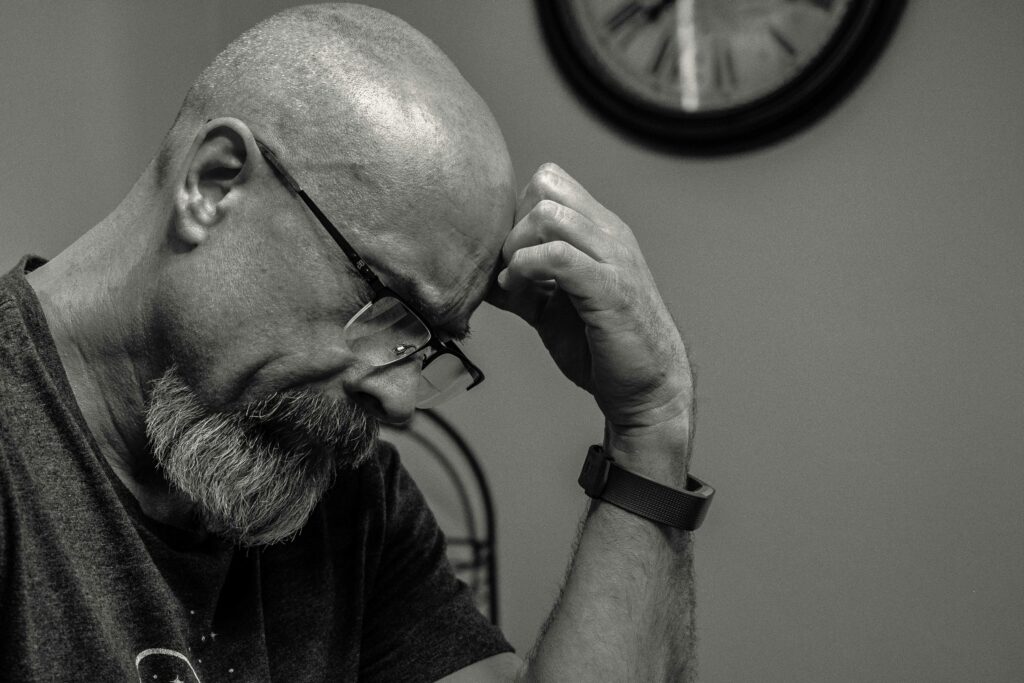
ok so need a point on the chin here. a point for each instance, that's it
(255, 474)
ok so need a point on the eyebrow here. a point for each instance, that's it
(455, 331)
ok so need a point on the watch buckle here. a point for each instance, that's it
(594, 476)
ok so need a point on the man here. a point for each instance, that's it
(191, 483)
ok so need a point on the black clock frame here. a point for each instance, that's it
(858, 41)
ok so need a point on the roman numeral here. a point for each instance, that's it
(660, 54)
(782, 41)
(623, 16)
(625, 22)
(724, 74)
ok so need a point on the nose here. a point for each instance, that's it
(387, 393)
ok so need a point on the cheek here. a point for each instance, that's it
(248, 317)
(220, 331)
(231, 351)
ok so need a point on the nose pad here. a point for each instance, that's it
(389, 393)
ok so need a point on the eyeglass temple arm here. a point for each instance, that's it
(353, 256)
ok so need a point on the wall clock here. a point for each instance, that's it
(715, 76)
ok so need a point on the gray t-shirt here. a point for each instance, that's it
(92, 589)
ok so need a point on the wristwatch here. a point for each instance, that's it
(602, 478)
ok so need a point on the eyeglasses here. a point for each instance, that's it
(387, 329)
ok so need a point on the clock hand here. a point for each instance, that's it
(654, 11)
(631, 10)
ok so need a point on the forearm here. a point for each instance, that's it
(626, 611)
(627, 608)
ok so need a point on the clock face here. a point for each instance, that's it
(705, 56)
(705, 72)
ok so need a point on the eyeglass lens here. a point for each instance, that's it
(442, 377)
(385, 331)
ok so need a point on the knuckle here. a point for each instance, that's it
(560, 253)
(547, 178)
(518, 259)
(621, 252)
(550, 167)
(548, 212)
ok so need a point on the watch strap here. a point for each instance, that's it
(602, 478)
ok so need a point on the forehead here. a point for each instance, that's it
(437, 246)
(444, 275)
(428, 206)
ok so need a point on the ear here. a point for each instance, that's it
(218, 164)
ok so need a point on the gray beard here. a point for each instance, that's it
(255, 474)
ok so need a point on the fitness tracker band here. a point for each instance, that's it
(602, 478)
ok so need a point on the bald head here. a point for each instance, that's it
(382, 132)
(356, 99)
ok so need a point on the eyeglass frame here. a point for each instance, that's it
(380, 290)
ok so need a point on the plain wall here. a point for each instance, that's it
(852, 297)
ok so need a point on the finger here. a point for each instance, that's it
(550, 181)
(573, 271)
(549, 221)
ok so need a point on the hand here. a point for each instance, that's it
(574, 271)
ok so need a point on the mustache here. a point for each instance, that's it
(300, 419)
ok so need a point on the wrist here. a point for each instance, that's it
(658, 451)
(681, 508)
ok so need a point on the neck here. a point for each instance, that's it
(96, 298)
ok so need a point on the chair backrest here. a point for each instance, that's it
(449, 474)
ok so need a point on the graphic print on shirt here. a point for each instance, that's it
(160, 665)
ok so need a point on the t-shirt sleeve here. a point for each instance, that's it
(421, 621)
